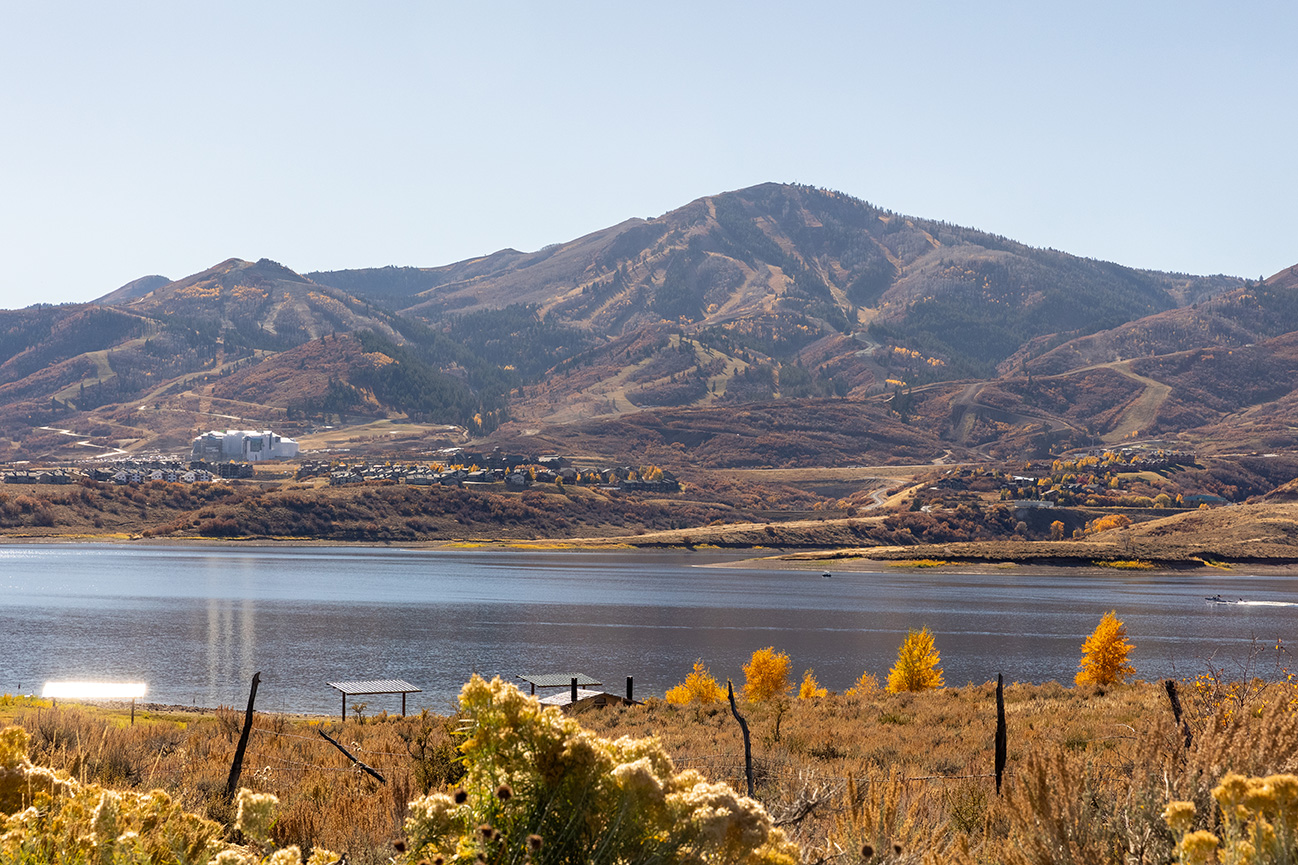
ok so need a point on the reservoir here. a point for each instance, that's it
(196, 622)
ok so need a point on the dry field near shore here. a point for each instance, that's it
(909, 775)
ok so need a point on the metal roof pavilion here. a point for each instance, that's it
(557, 680)
(374, 686)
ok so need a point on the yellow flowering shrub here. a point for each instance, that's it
(1259, 823)
(541, 789)
(698, 687)
(47, 817)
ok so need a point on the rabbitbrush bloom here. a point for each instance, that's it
(575, 796)
(256, 813)
(1259, 822)
(1179, 815)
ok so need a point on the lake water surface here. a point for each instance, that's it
(196, 622)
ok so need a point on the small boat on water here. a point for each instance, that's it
(1218, 599)
(826, 575)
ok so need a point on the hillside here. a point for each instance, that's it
(260, 304)
(779, 325)
(1242, 315)
(794, 262)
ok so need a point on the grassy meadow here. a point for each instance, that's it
(904, 777)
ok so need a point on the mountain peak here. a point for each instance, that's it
(133, 290)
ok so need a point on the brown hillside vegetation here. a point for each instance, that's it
(264, 301)
(890, 777)
(779, 325)
(1248, 533)
(301, 374)
(372, 512)
(780, 434)
(1231, 319)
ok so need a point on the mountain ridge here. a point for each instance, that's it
(770, 295)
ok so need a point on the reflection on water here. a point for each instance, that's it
(231, 643)
(197, 622)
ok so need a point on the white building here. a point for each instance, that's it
(246, 446)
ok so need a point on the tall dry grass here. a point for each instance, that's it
(903, 777)
(909, 777)
(324, 799)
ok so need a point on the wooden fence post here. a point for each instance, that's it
(237, 768)
(348, 755)
(1170, 685)
(1002, 734)
(748, 745)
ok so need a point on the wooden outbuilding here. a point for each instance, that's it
(575, 697)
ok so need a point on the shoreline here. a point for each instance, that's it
(798, 562)
(1028, 557)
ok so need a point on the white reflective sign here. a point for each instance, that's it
(95, 690)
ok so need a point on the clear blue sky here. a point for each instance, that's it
(163, 138)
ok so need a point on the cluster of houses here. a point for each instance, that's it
(118, 472)
(514, 471)
(1090, 476)
(42, 476)
(215, 457)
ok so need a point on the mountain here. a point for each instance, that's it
(262, 304)
(133, 290)
(797, 262)
(743, 328)
(1238, 316)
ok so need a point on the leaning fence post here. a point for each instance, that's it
(1002, 734)
(348, 755)
(237, 767)
(748, 745)
(1170, 685)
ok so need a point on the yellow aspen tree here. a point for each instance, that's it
(766, 675)
(811, 689)
(917, 664)
(1104, 653)
(698, 687)
(866, 685)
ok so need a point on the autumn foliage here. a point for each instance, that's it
(766, 675)
(810, 688)
(1104, 524)
(864, 686)
(1104, 653)
(917, 664)
(698, 687)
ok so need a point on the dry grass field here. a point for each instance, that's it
(908, 776)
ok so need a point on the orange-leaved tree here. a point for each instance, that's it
(1104, 653)
(698, 687)
(917, 664)
(811, 689)
(1104, 524)
(766, 675)
(866, 685)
